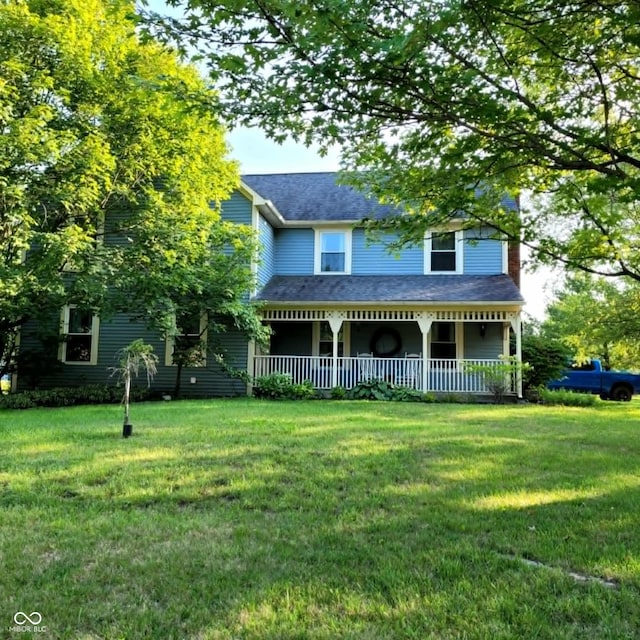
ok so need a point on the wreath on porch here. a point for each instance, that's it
(385, 342)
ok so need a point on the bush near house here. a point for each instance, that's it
(376, 389)
(70, 396)
(280, 386)
(546, 359)
(567, 398)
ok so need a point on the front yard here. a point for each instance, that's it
(281, 520)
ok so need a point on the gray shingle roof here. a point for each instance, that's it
(389, 289)
(315, 196)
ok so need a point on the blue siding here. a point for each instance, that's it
(490, 346)
(116, 220)
(266, 266)
(482, 254)
(294, 255)
(294, 252)
(120, 331)
(375, 259)
(237, 209)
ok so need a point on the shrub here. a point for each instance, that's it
(371, 390)
(338, 393)
(382, 390)
(18, 401)
(499, 378)
(407, 394)
(566, 398)
(69, 396)
(304, 391)
(547, 359)
(280, 386)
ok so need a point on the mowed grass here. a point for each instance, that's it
(278, 520)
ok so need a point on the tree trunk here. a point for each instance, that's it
(126, 427)
(176, 388)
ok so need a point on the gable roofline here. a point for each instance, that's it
(301, 199)
(317, 198)
(265, 207)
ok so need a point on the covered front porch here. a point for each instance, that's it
(433, 350)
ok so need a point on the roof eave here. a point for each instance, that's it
(392, 303)
(265, 207)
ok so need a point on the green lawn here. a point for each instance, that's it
(281, 520)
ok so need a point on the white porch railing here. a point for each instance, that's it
(442, 375)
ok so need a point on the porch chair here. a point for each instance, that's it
(410, 370)
(365, 366)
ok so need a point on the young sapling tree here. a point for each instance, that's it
(131, 359)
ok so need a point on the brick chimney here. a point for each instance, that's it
(513, 253)
(513, 261)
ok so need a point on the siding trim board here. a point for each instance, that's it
(395, 314)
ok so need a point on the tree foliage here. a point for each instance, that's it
(546, 357)
(447, 106)
(112, 167)
(597, 318)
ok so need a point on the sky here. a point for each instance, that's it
(257, 154)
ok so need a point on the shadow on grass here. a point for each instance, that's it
(345, 526)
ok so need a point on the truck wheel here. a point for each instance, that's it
(621, 394)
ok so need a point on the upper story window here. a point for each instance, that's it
(444, 252)
(79, 329)
(333, 251)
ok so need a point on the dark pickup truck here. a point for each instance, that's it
(590, 377)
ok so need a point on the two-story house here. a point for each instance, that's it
(341, 308)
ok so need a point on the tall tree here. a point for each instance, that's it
(446, 106)
(111, 168)
(597, 318)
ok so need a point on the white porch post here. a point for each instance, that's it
(425, 322)
(516, 325)
(335, 322)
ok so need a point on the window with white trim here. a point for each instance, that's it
(79, 329)
(443, 340)
(444, 252)
(323, 339)
(333, 251)
(188, 346)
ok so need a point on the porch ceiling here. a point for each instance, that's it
(404, 289)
